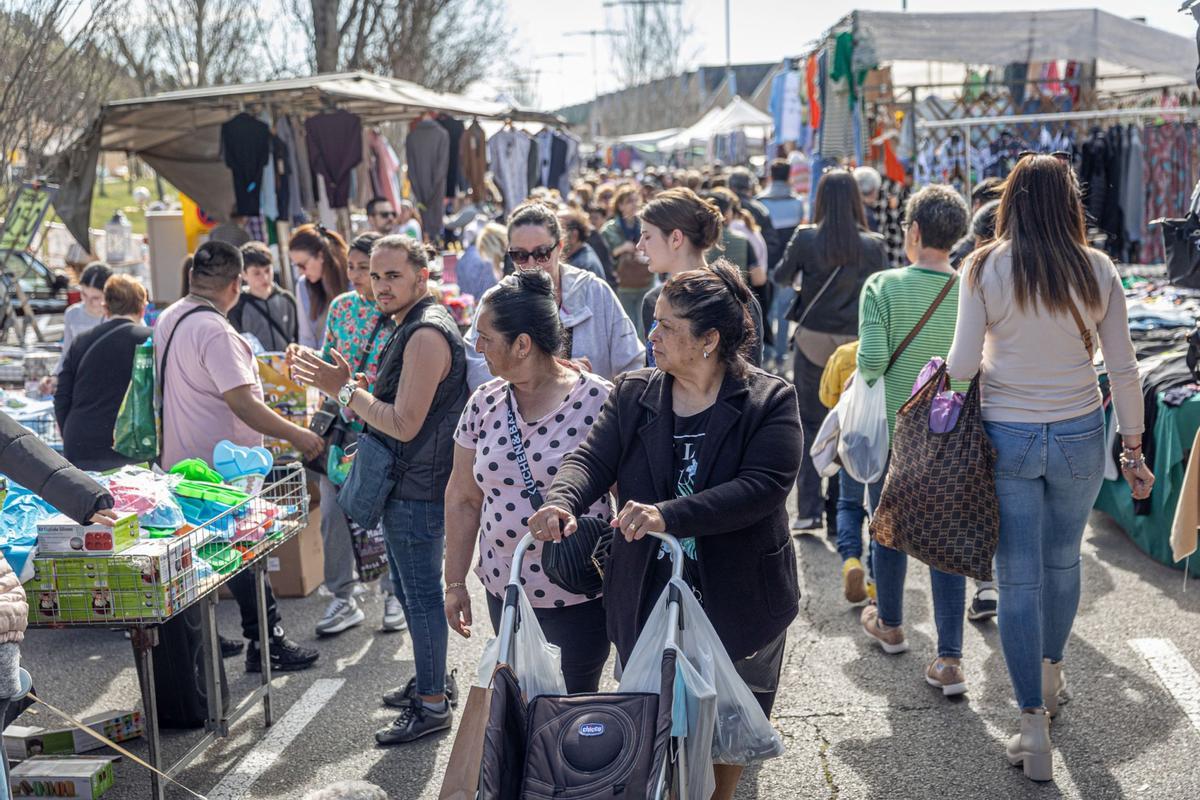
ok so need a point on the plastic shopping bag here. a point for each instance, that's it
(824, 450)
(694, 709)
(135, 434)
(743, 734)
(536, 663)
(863, 446)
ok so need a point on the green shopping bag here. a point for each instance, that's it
(136, 433)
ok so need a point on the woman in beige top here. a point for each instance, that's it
(1026, 316)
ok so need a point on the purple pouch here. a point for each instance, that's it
(946, 404)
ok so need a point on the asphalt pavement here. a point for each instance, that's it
(856, 723)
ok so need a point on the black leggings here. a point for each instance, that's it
(580, 631)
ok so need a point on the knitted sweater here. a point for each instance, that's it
(892, 303)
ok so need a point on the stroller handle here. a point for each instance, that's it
(527, 541)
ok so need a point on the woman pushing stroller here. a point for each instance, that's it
(706, 447)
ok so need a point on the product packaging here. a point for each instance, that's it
(26, 741)
(76, 778)
(62, 536)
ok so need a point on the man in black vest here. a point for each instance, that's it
(416, 414)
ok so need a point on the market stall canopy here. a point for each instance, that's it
(178, 133)
(739, 115)
(1003, 37)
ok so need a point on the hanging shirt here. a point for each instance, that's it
(246, 149)
(268, 198)
(508, 152)
(456, 129)
(334, 150)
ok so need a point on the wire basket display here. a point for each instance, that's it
(45, 426)
(156, 578)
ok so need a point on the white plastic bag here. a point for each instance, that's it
(694, 708)
(824, 450)
(863, 446)
(743, 734)
(536, 663)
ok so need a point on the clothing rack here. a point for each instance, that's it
(1191, 112)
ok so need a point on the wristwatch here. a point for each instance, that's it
(346, 393)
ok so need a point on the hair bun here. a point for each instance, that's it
(731, 276)
(534, 280)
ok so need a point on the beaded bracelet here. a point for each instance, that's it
(455, 585)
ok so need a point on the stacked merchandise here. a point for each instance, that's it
(286, 398)
(77, 778)
(26, 741)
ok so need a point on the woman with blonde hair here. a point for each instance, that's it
(482, 264)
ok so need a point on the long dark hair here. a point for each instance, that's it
(838, 213)
(716, 298)
(1041, 219)
(316, 240)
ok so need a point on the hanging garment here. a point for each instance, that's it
(454, 180)
(325, 213)
(1071, 80)
(473, 155)
(268, 202)
(365, 189)
(1133, 188)
(386, 170)
(508, 152)
(428, 152)
(814, 99)
(545, 145)
(786, 106)
(334, 150)
(570, 163)
(533, 164)
(300, 184)
(1015, 75)
(1171, 170)
(281, 167)
(245, 149)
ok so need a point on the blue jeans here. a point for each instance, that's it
(777, 322)
(415, 531)
(949, 597)
(851, 512)
(1047, 479)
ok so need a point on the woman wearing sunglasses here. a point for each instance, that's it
(599, 335)
(1030, 306)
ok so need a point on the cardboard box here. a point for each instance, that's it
(26, 741)
(62, 536)
(77, 778)
(297, 567)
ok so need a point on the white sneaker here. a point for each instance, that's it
(393, 614)
(340, 615)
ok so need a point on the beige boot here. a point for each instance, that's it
(1054, 686)
(1031, 747)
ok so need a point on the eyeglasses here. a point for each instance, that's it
(386, 214)
(1061, 155)
(540, 254)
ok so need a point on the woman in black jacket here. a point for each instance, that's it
(827, 263)
(705, 447)
(95, 374)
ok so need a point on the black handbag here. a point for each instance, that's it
(330, 425)
(1181, 240)
(575, 564)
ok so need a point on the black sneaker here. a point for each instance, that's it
(286, 655)
(415, 720)
(983, 606)
(230, 647)
(401, 698)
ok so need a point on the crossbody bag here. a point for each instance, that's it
(576, 563)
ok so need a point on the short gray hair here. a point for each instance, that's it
(416, 253)
(869, 180)
(941, 215)
(348, 790)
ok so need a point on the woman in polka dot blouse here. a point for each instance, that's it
(552, 403)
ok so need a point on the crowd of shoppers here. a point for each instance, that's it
(632, 339)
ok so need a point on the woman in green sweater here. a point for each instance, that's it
(893, 303)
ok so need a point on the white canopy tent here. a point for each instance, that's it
(739, 115)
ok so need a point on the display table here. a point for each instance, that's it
(1174, 431)
(249, 532)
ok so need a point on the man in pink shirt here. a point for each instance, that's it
(211, 391)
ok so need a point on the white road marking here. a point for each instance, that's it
(357, 656)
(237, 782)
(1177, 674)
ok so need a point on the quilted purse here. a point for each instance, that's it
(939, 497)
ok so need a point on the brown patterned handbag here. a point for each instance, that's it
(939, 497)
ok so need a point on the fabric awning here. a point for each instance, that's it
(1004, 37)
(739, 115)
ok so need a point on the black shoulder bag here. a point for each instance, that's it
(575, 564)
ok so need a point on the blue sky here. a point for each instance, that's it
(762, 30)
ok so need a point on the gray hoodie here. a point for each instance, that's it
(600, 330)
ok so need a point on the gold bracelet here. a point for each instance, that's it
(455, 585)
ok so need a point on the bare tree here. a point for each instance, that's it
(651, 51)
(207, 42)
(53, 76)
(441, 44)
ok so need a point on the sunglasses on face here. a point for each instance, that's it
(540, 254)
(386, 214)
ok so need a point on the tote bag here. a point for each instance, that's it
(939, 497)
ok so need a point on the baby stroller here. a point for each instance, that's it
(582, 747)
